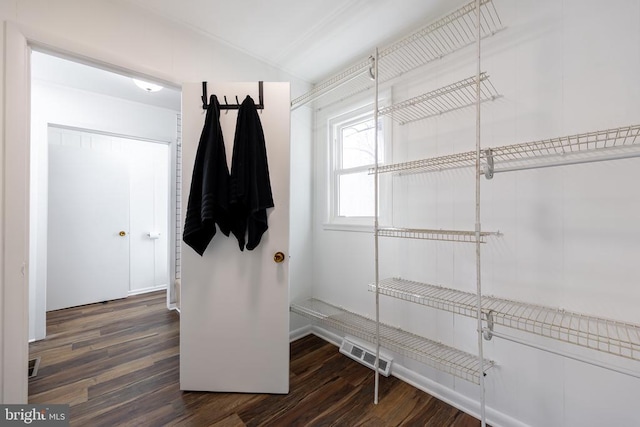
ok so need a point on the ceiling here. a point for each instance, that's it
(59, 71)
(309, 39)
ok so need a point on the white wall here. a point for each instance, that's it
(128, 38)
(52, 104)
(568, 233)
(301, 218)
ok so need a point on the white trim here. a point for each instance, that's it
(14, 283)
(435, 389)
(354, 112)
(300, 333)
(105, 133)
(359, 228)
(147, 290)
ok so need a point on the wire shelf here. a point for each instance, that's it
(609, 336)
(609, 144)
(434, 354)
(433, 164)
(450, 98)
(595, 146)
(442, 235)
(433, 41)
(356, 76)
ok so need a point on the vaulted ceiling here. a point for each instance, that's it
(307, 38)
(310, 39)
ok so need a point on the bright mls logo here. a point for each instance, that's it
(34, 415)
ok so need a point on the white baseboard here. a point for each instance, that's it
(446, 394)
(300, 333)
(147, 290)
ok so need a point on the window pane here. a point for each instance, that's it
(358, 144)
(356, 194)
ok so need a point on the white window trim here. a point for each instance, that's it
(361, 223)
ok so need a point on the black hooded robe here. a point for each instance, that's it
(209, 195)
(250, 188)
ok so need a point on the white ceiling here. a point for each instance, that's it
(63, 72)
(309, 39)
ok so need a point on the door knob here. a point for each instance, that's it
(278, 257)
(122, 233)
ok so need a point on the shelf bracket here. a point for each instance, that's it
(372, 74)
(487, 333)
(488, 168)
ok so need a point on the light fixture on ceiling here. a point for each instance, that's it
(146, 86)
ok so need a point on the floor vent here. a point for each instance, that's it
(34, 364)
(366, 356)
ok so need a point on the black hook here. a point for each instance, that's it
(260, 105)
(204, 96)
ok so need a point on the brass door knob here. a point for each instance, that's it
(122, 233)
(278, 257)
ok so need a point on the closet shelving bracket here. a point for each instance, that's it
(487, 333)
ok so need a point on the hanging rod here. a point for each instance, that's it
(568, 355)
(226, 105)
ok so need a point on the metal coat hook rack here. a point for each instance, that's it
(226, 105)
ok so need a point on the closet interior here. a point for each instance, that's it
(453, 218)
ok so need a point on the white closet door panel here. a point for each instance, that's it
(149, 166)
(234, 324)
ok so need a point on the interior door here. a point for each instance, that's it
(234, 321)
(88, 223)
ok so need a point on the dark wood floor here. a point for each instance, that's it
(117, 364)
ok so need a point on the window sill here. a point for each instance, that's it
(358, 228)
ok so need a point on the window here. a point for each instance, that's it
(351, 189)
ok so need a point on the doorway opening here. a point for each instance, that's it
(81, 116)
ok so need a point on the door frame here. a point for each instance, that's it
(15, 189)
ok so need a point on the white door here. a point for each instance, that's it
(88, 223)
(234, 322)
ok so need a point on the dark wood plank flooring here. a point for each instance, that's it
(117, 364)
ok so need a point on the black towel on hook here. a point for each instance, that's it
(209, 195)
(250, 189)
